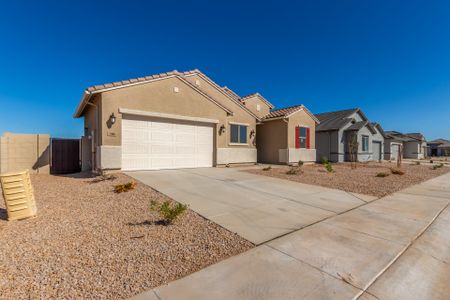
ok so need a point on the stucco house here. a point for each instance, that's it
(169, 120)
(287, 136)
(338, 130)
(439, 147)
(414, 145)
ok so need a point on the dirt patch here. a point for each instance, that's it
(363, 179)
(89, 242)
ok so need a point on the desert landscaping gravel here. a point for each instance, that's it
(361, 180)
(89, 242)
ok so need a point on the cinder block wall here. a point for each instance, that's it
(20, 152)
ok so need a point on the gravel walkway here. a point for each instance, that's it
(88, 242)
(361, 180)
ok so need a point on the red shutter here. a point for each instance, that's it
(297, 137)
(307, 138)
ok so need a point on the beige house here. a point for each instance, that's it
(287, 136)
(170, 120)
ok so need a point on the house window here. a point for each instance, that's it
(302, 137)
(238, 134)
(365, 143)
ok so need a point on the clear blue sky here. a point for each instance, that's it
(390, 58)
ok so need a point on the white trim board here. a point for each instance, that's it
(165, 116)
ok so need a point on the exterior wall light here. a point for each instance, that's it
(252, 133)
(112, 118)
(222, 129)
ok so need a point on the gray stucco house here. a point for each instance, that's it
(439, 147)
(337, 129)
(414, 145)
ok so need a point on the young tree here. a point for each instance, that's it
(353, 146)
(400, 156)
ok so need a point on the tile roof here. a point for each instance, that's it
(283, 112)
(131, 81)
(439, 141)
(334, 120)
(408, 137)
(231, 93)
(357, 125)
(260, 97)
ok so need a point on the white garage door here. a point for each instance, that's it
(151, 144)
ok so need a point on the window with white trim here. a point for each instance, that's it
(303, 136)
(365, 143)
(238, 134)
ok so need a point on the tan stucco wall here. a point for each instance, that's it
(252, 104)
(271, 136)
(240, 115)
(159, 96)
(19, 152)
(301, 118)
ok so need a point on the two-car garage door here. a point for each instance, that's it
(151, 144)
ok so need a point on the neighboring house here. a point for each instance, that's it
(413, 145)
(439, 147)
(287, 136)
(338, 131)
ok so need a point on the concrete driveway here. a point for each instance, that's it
(396, 247)
(258, 208)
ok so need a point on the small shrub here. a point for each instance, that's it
(268, 168)
(431, 161)
(435, 167)
(104, 177)
(382, 174)
(397, 171)
(416, 163)
(168, 212)
(324, 160)
(122, 188)
(294, 171)
(329, 167)
(300, 163)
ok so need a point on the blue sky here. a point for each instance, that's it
(390, 58)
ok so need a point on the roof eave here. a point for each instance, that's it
(82, 104)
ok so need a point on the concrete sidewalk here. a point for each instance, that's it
(392, 248)
(258, 208)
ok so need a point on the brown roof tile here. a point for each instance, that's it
(282, 112)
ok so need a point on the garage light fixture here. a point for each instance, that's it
(222, 129)
(112, 118)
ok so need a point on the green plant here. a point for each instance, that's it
(300, 163)
(324, 160)
(397, 171)
(329, 167)
(168, 212)
(435, 167)
(294, 171)
(382, 174)
(121, 188)
(268, 168)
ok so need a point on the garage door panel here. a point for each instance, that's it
(165, 145)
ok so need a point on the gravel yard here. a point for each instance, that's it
(89, 242)
(361, 180)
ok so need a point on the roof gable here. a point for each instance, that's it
(90, 91)
(227, 93)
(260, 97)
(287, 112)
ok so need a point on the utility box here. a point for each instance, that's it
(18, 195)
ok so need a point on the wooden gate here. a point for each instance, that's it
(65, 156)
